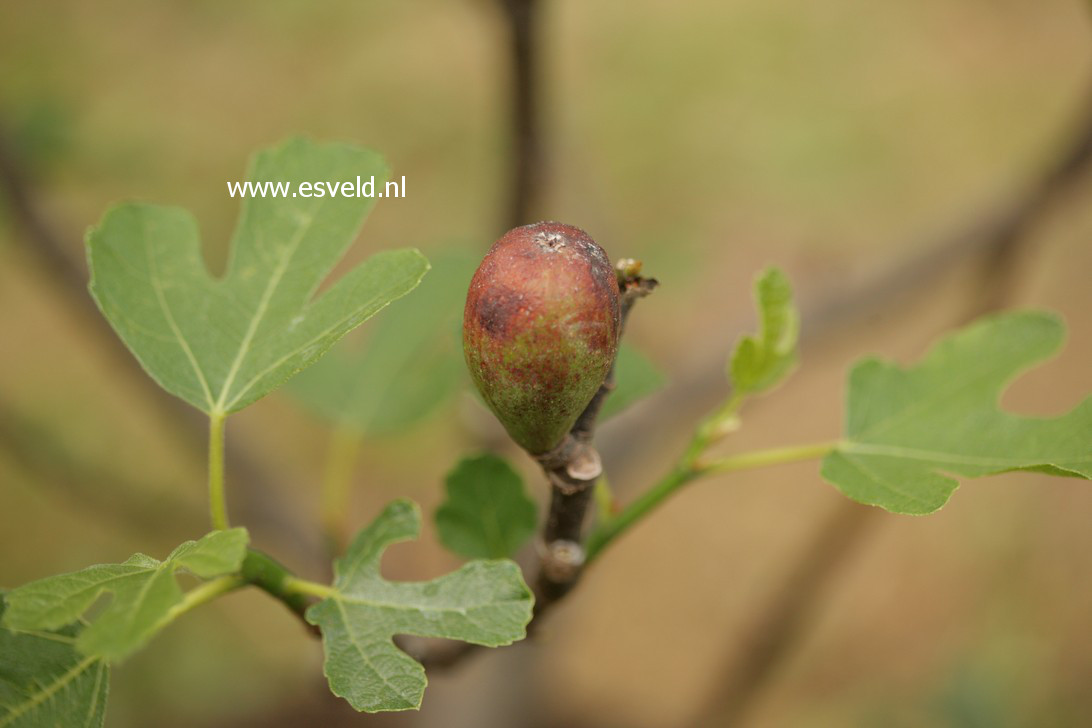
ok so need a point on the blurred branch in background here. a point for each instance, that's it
(786, 614)
(1000, 238)
(526, 181)
(258, 503)
(995, 235)
(31, 447)
(989, 235)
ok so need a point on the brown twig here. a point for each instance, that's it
(574, 467)
(35, 449)
(525, 181)
(633, 288)
(787, 613)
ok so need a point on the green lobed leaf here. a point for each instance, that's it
(222, 344)
(143, 592)
(484, 602)
(635, 376)
(909, 431)
(215, 554)
(46, 681)
(486, 514)
(410, 364)
(759, 363)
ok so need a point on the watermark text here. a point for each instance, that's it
(360, 187)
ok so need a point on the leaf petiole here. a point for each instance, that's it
(295, 585)
(758, 364)
(690, 468)
(202, 594)
(217, 503)
(763, 458)
(341, 458)
(721, 423)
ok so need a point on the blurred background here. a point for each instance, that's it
(909, 164)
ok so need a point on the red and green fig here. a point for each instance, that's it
(541, 329)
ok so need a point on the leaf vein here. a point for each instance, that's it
(884, 482)
(46, 692)
(361, 650)
(157, 286)
(296, 350)
(865, 448)
(263, 306)
(92, 709)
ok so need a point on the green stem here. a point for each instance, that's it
(762, 458)
(263, 572)
(607, 531)
(690, 469)
(341, 457)
(217, 504)
(202, 594)
(719, 424)
(604, 498)
(267, 574)
(296, 585)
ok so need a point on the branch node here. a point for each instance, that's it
(586, 466)
(559, 456)
(561, 561)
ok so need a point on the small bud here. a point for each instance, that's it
(627, 269)
(540, 329)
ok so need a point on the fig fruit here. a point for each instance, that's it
(541, 329)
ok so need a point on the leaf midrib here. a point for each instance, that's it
(491, 524)
(887, 484)
(462, 611)
(263, 306)
(907, 453)
(319, 335)
(360, 649)
(161, 298)
(47, 692)
(95, 693)
(101, 585)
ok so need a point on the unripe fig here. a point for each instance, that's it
(540, 329)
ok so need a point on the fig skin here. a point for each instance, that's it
(541, 329)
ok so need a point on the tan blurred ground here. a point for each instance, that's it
(707, 138)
